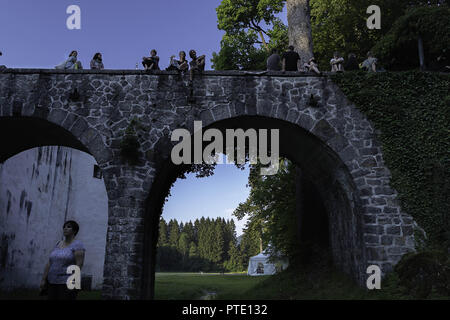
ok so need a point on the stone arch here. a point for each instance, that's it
(24, 133)
(330, 159)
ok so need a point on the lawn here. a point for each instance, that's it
(172, 286)
(288, 285)
(178, 286)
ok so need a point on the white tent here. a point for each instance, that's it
(260, 266)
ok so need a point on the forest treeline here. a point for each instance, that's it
(208, 245)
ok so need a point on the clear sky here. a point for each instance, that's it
(33, 34)
(215, 196)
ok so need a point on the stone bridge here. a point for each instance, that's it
(320, 130)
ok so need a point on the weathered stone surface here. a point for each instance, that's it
(333, 141)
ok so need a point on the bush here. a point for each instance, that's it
(398, 49)
(424, 272)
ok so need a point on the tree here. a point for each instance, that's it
(183, 244)
(217, 243)
(423, 30)
(174, 232)
(238, 52)
(234, 262)
(193, 250)
(252, 30)
(270, 208)
(162, 239)
(235, 16)
(299, 23)
(340, 25)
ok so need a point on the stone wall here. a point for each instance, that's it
(321, 131)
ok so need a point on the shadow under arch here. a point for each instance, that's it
(23, 133)
(319, 164)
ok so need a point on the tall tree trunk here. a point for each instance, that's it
(299, 21)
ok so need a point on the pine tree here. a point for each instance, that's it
(174, 232)
(234, 263)
(193, 253)
(217, 247)
(183, 244)
(162, 238)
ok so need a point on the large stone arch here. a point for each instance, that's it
(341, 154)
(95, 108)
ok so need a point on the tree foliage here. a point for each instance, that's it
(410, 109)
(398, 49)
(205, 245)
(337, 25)
(251, 31)
(270, 209)
(234, 16)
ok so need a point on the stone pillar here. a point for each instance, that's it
(125, 236)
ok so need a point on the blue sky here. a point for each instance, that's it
(33, 34)
(215, 196)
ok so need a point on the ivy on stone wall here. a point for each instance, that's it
(411, 110)
(129, 146)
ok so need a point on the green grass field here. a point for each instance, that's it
(172, 286)
(178, 286)
(288, 285)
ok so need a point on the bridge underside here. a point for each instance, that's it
(23, 133)
(322, 170)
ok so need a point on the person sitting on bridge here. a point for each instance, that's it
(273, 61)
(96, 62)
(1, 66)
(337, 63)
(197, 64)
(352, 63)
(71, 63)
(290, 60)
(370, 64)
(178, 65)
(312, 66)
(151, 63)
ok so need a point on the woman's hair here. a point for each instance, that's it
(74, 51)
(153, 50)
(75, 227)
(182, 52)
(96, 56)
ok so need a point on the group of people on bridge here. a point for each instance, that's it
(197, 63)
(291, 61)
